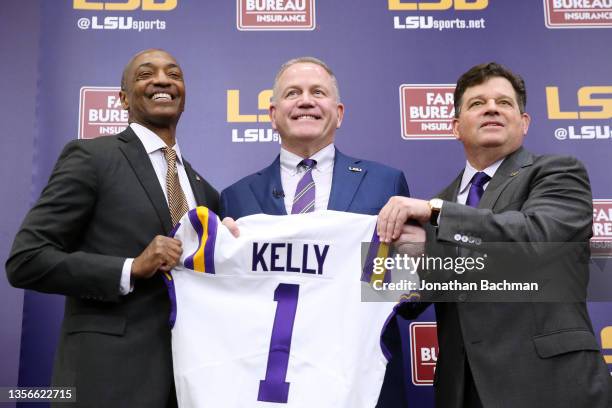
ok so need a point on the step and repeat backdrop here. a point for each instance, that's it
(396, 62)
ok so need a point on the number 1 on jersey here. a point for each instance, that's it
(274, 388)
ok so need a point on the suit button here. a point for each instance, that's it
(478, 241)
(464, 238)
(462, 297)
(457, 237)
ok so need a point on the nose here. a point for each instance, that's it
(491, 107)
(161, 78)
(306, 99)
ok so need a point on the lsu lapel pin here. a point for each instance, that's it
(355, 169)
(514, 173)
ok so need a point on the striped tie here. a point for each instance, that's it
(176, 197)
(304, 199)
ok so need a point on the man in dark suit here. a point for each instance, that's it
(98, 235)
(508, 354)
(306, 111)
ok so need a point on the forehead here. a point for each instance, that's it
(494, 87)
(153, 58)
(304, 71)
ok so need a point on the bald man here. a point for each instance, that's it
(98, 236)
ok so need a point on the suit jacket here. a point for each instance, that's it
(537, 354)
(362, 191)
(103, 203)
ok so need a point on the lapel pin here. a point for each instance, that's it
(514, 173)
(197, 177)
(356, 169)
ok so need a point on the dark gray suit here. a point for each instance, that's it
(520, 354)
(103, 203)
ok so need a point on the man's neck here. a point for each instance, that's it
(166, 133)
(305, 151)
(485, 157)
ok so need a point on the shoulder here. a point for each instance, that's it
(373, 168)
(244, 183)
(549, 163)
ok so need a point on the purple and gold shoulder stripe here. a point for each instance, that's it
(376, 249)
(204, 222)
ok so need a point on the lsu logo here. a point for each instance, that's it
(424, 352)
(601, 242)
(577, 14)
(594, 102)
(252, 118)
(275, 15)
(427, 111)
(100, 112)
(606, 343)
(233, 107)
(147, 5)
(400, 5)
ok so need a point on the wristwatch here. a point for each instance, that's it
(435, 205)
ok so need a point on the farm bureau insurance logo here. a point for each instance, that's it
(578, 13)
(589, 121)
(423, 352)
(252, 15)
(427, 111)
(100, 112)
(247, 127)
(429, 22)
(122, 22)
(601, 242)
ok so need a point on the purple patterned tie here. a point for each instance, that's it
(304, 199)
(476, 190)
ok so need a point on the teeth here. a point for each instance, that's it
(306, 117)
(161, 96)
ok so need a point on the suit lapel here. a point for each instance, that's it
(134, 152)
(450, 193)
(268, 189)
(196, 182)
(505, 174)
(345, 181)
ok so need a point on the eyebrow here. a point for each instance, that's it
(502, 96)
(151, 65)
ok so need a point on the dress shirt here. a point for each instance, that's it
(322, 175)
(153, 145)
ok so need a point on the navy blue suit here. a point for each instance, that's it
(358, 186)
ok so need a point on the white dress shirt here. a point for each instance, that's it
(153, 145)
(322, 175)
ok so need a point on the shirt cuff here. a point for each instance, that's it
(125, 286)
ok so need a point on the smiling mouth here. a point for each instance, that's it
(492, 124)
(161, 97)
(306, 117)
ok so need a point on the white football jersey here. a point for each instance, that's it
(274, 318)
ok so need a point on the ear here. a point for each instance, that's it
(340, 110)
(456, 129)
(124, 101)
(272, 113)
(526, 119)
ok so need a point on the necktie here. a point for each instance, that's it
(476, 189)
(176, 197)
(304, 199)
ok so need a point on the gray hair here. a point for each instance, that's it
(302, 60)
